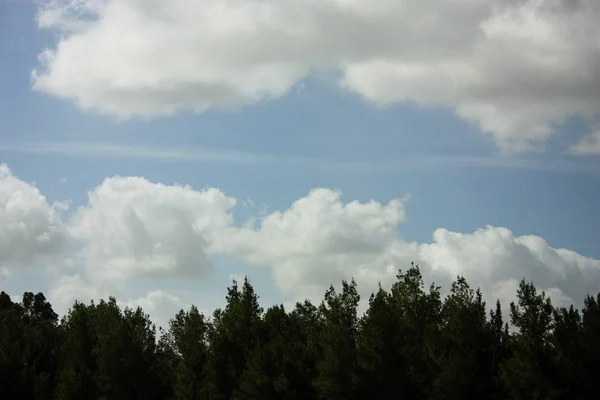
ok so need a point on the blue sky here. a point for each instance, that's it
(431, 150)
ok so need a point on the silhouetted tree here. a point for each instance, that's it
(409, 344)
(530, 371)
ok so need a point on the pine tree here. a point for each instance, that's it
(336, 379)
(419, 315)
(232, 339)
(189, 331)
(378, 358)
(12, 348)
(464, 352)
(590, 338)
(77, 365)
(40, 353)
(530, 371)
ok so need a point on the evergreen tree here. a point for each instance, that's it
(530, 371)
(500, 350)
(567, 346)
(269, 366)
(590, 342)
(464, 347)
(378, 344)
(336, 366)
(419, 316)
(77, 366)
(234, 336)
(41, 346)
(189, 332)
(12, 348)
(408, 345)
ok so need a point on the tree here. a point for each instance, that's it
(378, 342)
(500, 350)
(189, 332)
(464, 347)
(409, 344)
(233, 337)
(40, 352)
(269, 368)
(12, 348)
(418, 319)
(567, 346)
(590, 341)
(336, 366)
(77, 365)
(530, 371)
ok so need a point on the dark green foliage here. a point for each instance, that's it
(379, 362)
(464, 352)
(189, 333)
(336, 363)
(409, 344)
(12, 348)
(590, 347)
(530, 372)
(417, 317)
(233, 337)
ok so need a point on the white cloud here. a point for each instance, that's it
(131, 227)
(31, 229)
(216, 156)
(65, 290)
(514, 68)
(588, 146)
(495, 260)
(319, 240)
(161, 306)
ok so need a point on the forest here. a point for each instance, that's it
(410, 344)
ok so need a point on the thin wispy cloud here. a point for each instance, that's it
(198, 154)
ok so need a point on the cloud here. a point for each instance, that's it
(512, 68)
(134, 229)
(31, 229)
(588, 146)
(160, 305)
(319, 240)
(131, 228)
(230, 158)
(495, 260)
(4, 275)
(67, 289)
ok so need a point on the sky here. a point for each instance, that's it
(154, 150)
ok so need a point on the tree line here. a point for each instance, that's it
(409, 344)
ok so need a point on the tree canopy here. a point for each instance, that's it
(409, 344)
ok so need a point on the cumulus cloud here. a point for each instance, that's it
(495, 260)
(131, 227)
(320, 240)
(161, 306)
(134, 228)
(31, 229)
(512, 68)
